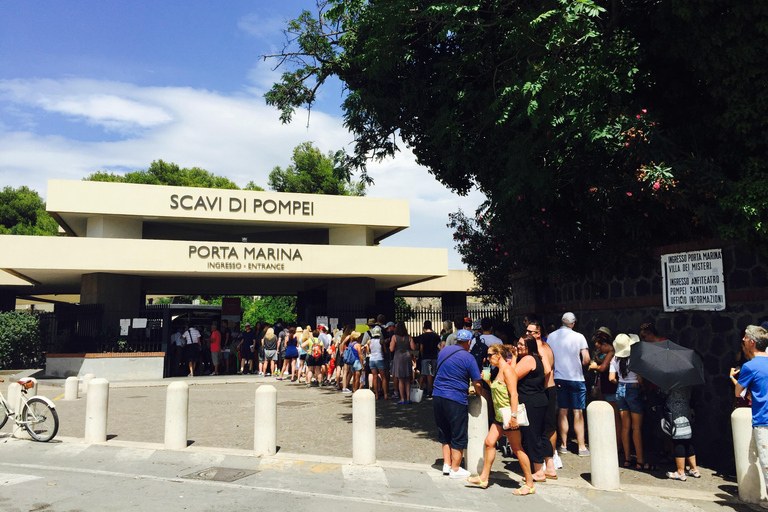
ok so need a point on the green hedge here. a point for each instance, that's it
(20, 343)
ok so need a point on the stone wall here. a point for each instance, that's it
(622, 303)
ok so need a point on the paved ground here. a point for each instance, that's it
(314, 425)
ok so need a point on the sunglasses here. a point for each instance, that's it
(528, 331)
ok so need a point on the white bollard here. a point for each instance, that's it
(603, 446)
(96, 411)
(87, 378)
(33, 390)
(748, 475)
(70, 388)
(176, 416)
(477, 430)
(14, 397)
(363, 427)
(265, 422)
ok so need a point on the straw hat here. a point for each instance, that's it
(623, 344)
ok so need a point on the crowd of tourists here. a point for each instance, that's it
(535, 384)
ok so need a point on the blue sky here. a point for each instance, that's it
(107, 85)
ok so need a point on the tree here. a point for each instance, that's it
(22, 212)
(595, 129)
(314, 173)
(162, 173)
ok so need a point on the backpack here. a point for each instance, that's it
(349, 354)
(317, 350)
(479, 351)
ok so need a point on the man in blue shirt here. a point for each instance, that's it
(455, 368)
(753, 376)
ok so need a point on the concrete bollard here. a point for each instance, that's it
(477, 430)
(176, 416)
(14, 397)
(748, 475)
(33, 390)
(87, 378)
(265, 424)
(70, 388)
(363, 427)
(603, 446)
(96, 411)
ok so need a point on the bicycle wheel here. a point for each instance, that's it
(40, 420)
(3, 416)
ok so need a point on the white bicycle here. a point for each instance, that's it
(38, 414)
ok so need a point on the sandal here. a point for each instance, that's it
(646, 466)
(629, 463)
(475, 480)
(676, 476)
(694, 473)
(518, 492)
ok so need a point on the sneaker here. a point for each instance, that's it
(261, 374)
(240, 373)
(346, 391)
(214, 373)
(584, 452)
(190, 375)
(562, 449)
(460, 473)
(446, 469)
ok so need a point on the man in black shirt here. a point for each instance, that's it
(428, 343)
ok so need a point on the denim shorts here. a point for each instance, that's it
(571, 394)
(357, 366)
(377, 365)
(629, 397)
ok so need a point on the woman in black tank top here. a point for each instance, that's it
(531, 381)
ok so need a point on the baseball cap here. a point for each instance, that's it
(247, 324)
(321, 327)
(390, 324)
(569, 318)
(464, 335)
(375, 332)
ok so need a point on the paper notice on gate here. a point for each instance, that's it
(139, 323)
(125, 323)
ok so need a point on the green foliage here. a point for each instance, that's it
(403, 310)
(161, 173)
(596, 129)
(20, 342)
(255, 308)
(314, 173)
(22, 212)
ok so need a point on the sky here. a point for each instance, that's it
(111, 86)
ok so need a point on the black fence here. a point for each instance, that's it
(82, 328)
(414, 317)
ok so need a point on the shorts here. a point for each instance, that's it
(571, 394)
(451, 419)
(610, 398)
(428, 367)
(314, 361)
(215, 357)
(261, 352)
(270, 355)
(378, 365)
(629, 397)
(192, 352)
(303, 356)
(550, 418)
(501, 425)
(358, 366)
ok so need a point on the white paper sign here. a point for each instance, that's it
(333, 323)
(321, 320)
(693, 280)
(125, 323)
(139, 323)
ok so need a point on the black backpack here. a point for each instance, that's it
(479, 351)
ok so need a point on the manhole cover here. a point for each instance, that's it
(219, 474)
(293, 403)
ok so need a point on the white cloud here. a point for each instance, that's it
(262, 27)
(234, 136)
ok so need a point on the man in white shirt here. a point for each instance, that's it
(571, 355)
(326, 339)
(192, 348)
(486, 324)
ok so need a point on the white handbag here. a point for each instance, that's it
(522, 415)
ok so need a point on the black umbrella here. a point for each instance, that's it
(666, 364)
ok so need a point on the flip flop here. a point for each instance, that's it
(475, 480)
(549, 477)
(531, 490)
(400, 403)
